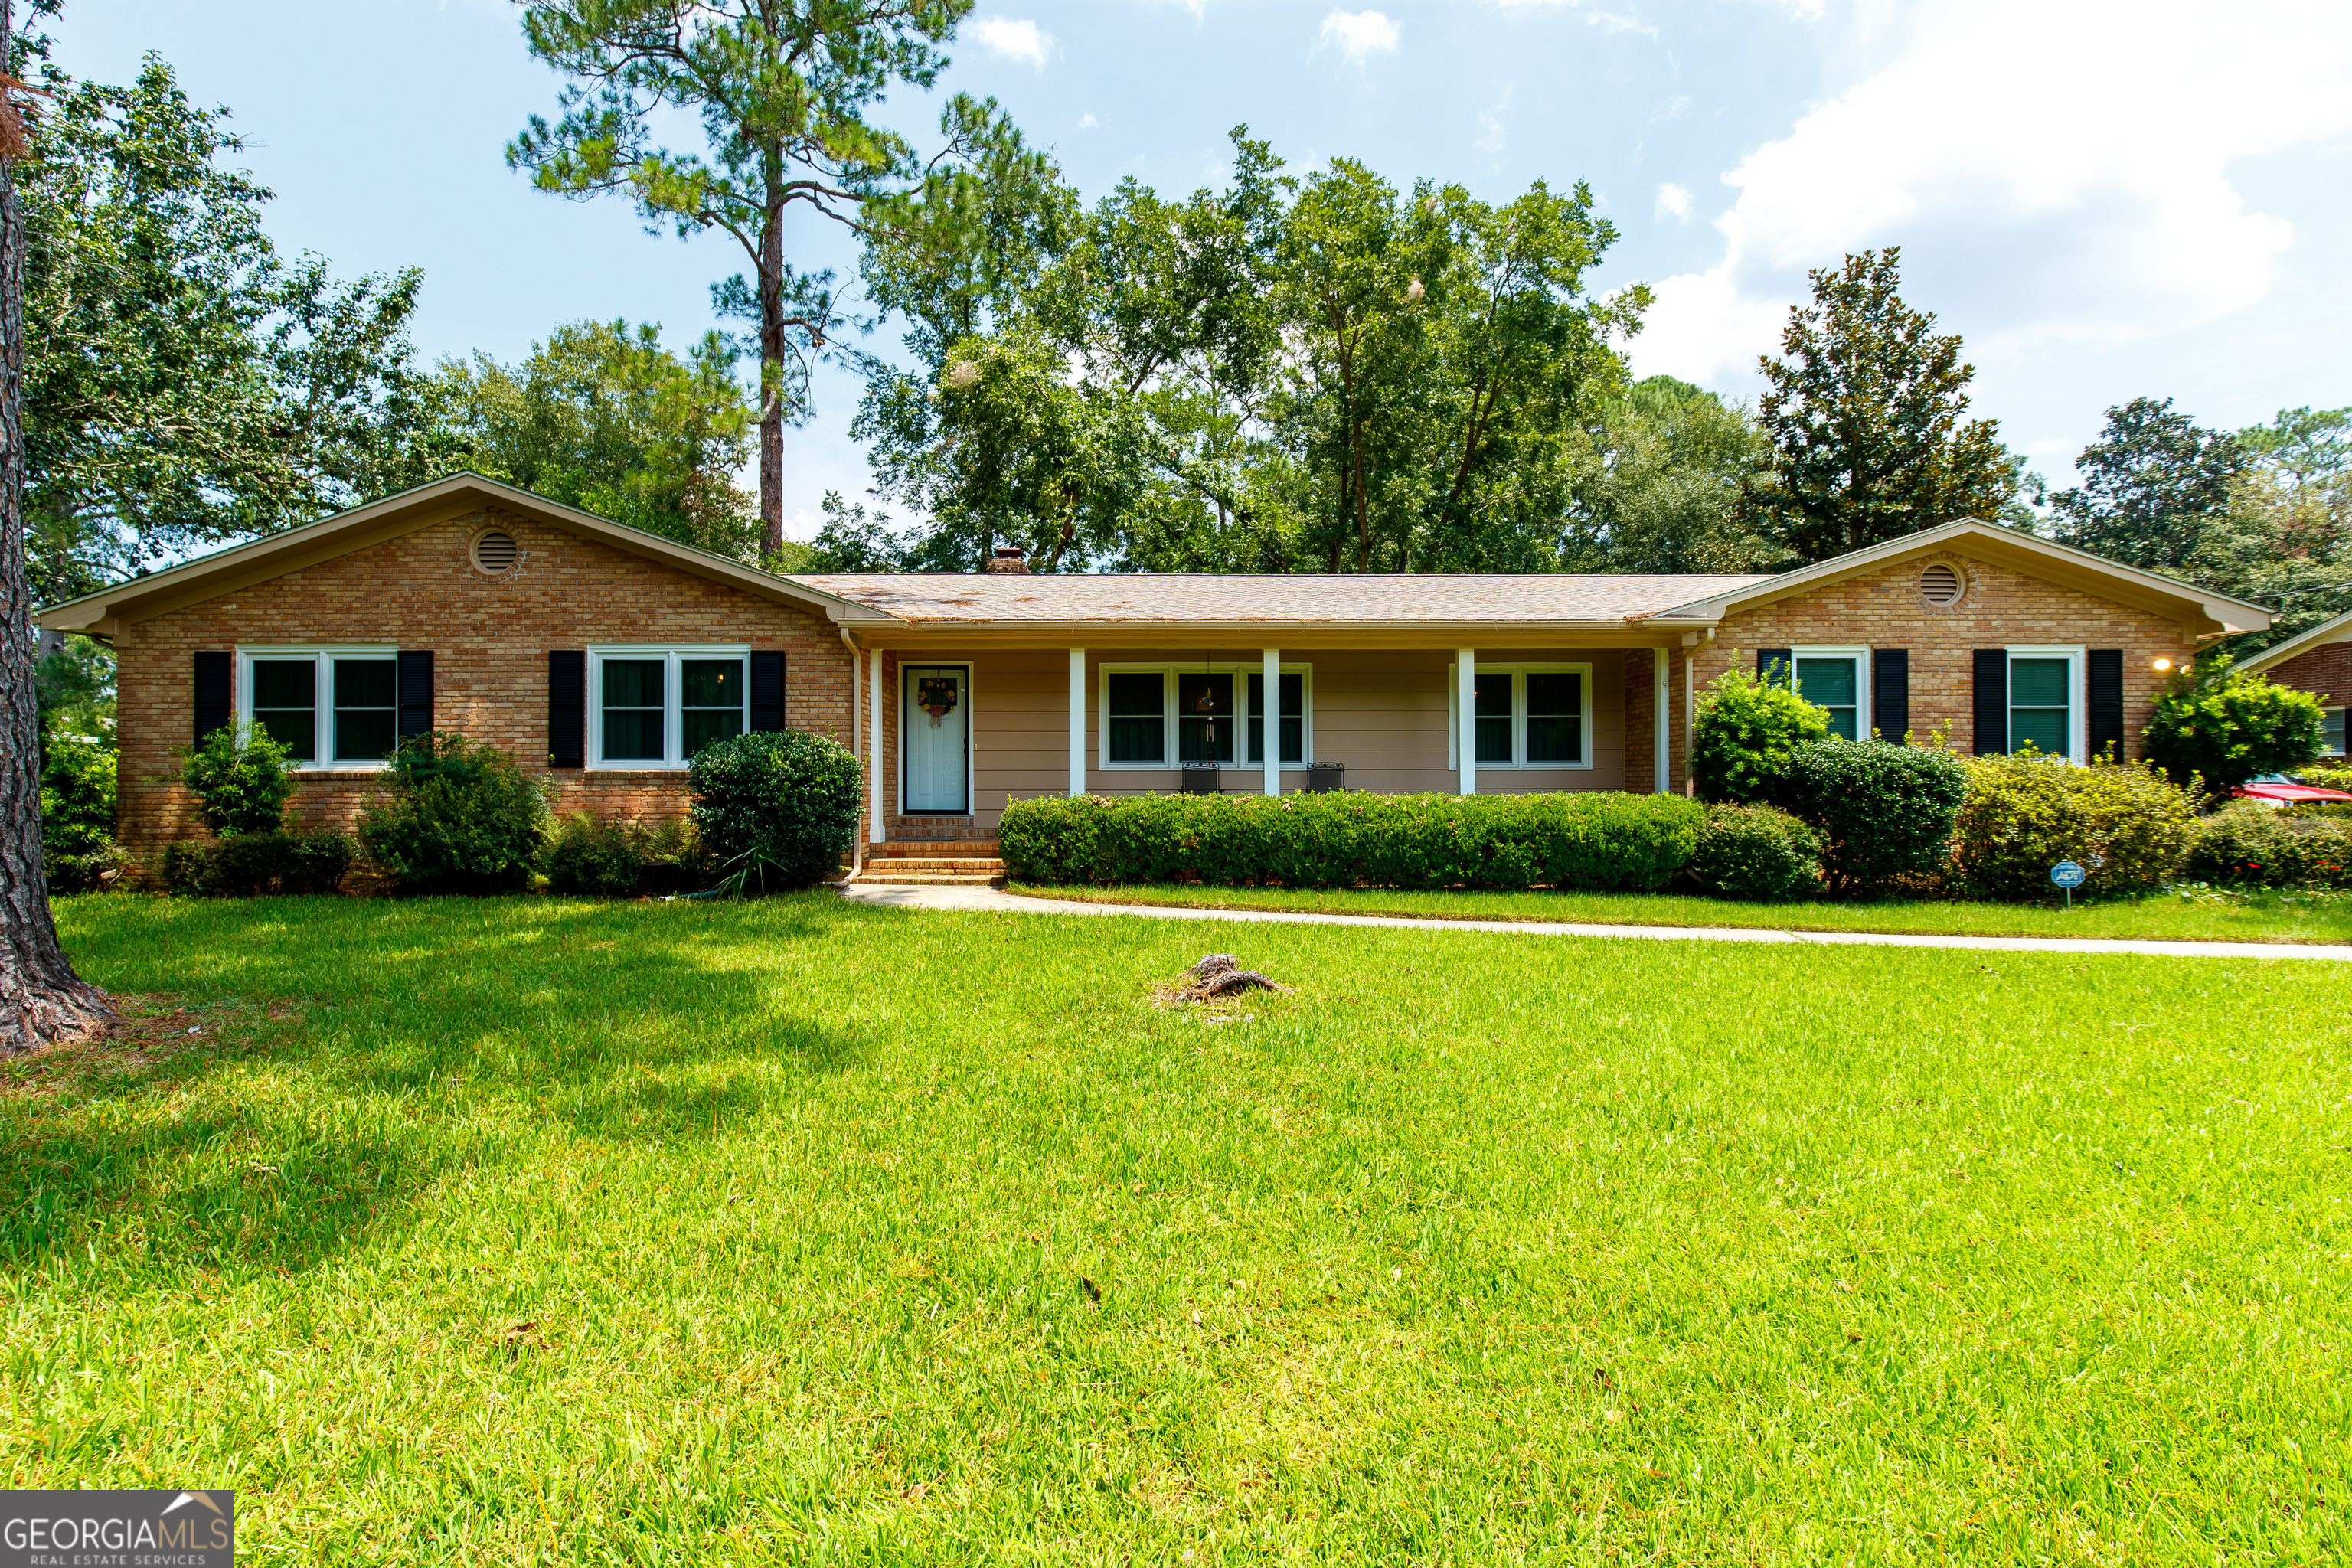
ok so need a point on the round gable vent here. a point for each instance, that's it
(1940, 584)
(494, 551)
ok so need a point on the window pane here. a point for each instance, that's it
(1293, 720)
(1555, 717)
(1136, 696)
(703, 725)
(1494, 693)
(1136, 733)
(2037, 683)
(363, 682)
(297, 729)
(1552, 693)
(633, 682)
(2331, 733)
(1137, 741)
(1204, 718)
(1842, 722)
(710, 682)
(1827, 683)
(365, 729)
(2044, 726)
(633, 735)
(285, 703)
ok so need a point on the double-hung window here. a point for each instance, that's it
(655, 707)
(2046, 701)
(1837, 680)
(1524, 715)
(1166, 715)
(329, 706)
(2331, 732)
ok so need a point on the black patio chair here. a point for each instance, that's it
(1201, 778)
(1324, 777)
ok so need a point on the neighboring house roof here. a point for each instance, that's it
(2217, 614)
(2337, 630)
(1185, 599)
(311, 542)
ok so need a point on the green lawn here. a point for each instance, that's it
(2201, 917)
(536, 1230)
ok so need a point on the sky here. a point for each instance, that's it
(2107, 200)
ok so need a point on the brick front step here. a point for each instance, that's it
(921, 848)
(927, 879)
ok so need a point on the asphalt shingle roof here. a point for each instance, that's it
(1259, 600)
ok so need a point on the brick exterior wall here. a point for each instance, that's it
(489, 639)
(2000, 608)
(2324, 672)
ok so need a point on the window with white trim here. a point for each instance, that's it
(1524, 715)
(655, 707)
(1837, 680)
(1166, 715)
(2331, 732)
(330, 707)
(2046, 701)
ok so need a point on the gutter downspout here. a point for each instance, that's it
(857, 693)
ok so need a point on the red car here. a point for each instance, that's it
(2276, 791)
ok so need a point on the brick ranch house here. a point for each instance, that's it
(2318, 661)
(601, 656)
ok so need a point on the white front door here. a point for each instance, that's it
(937, 724)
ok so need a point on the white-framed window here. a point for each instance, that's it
(1838, 679)
(331, 707)
(2047, 702)
(655, 707)
(1525, 715)
(2331, 732)
(1165, 715)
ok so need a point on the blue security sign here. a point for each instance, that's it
(2068, 875)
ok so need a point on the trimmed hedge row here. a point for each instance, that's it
(1595, 842)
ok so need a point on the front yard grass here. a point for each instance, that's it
(2196, 916)
(549, 1230)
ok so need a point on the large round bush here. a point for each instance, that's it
(1743, 734)
(454, 815)
(1884, 809)
(777, 809)
(1756, 852)
(240, 785)
(2126, 823)
(2232, 728)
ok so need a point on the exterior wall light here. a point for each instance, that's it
(2163, 664)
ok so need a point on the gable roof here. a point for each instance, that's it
(2338, 629)
(307, 544)
(1234, 600)
(2213, 615)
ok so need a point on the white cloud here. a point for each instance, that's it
(1019, 41)
(1086, 121)
(1607, 21)
(2073, 191)
(1493, 135)
(1673, 202)
(1359, 34)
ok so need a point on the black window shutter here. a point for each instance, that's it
(2103, 674)
(415, 691)
(567, 707)
(1992, 700)
(1774, 665)
(213, 697)
(1890, 692)
(767, 691)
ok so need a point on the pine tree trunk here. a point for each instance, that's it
(772, 383)
(41, 997)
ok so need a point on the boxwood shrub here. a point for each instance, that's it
(2248, 845)
(2126, 824)
(777, 809)
(1756, 852)
(245, 864)
(1884, 809)
(453, 816)
(1591, 842)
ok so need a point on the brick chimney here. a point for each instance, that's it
(1010, 558)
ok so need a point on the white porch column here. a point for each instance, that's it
(1466, 701)
(1077, 723)
(874, 743)
(1659, 718)
(1269, 723)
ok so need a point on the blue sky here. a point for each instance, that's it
(2107, 200)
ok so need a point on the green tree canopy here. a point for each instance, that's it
(602, 418)
(2152, 484)
(1660, 487)
(1864, 411)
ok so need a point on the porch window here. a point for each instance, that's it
(1526, 716)
(1833, 678)
(329, 706)
(655, 707)
(1161, 715)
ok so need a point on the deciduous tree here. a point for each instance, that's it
(2153, 483)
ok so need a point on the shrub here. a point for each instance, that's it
(2232, 728)
(1743, 734)
(1756, 852)
(1884, 809)
(617, 859)
(2124, 822)
(1595, 842)
(453, 816)
(240, 786)
(252, 863)
(777, 808)
(78, 844)
(2248, 845)
(2327, 776)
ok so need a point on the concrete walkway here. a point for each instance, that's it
(990, 901)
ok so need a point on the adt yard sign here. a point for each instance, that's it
(2069, 876)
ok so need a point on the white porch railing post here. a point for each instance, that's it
(1660, 716)
(874, 742)
(1269, 720)
(1465, 701)
(1077, 723)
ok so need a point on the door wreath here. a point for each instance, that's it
(936, 695)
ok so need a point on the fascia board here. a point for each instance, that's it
(2338, 629)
